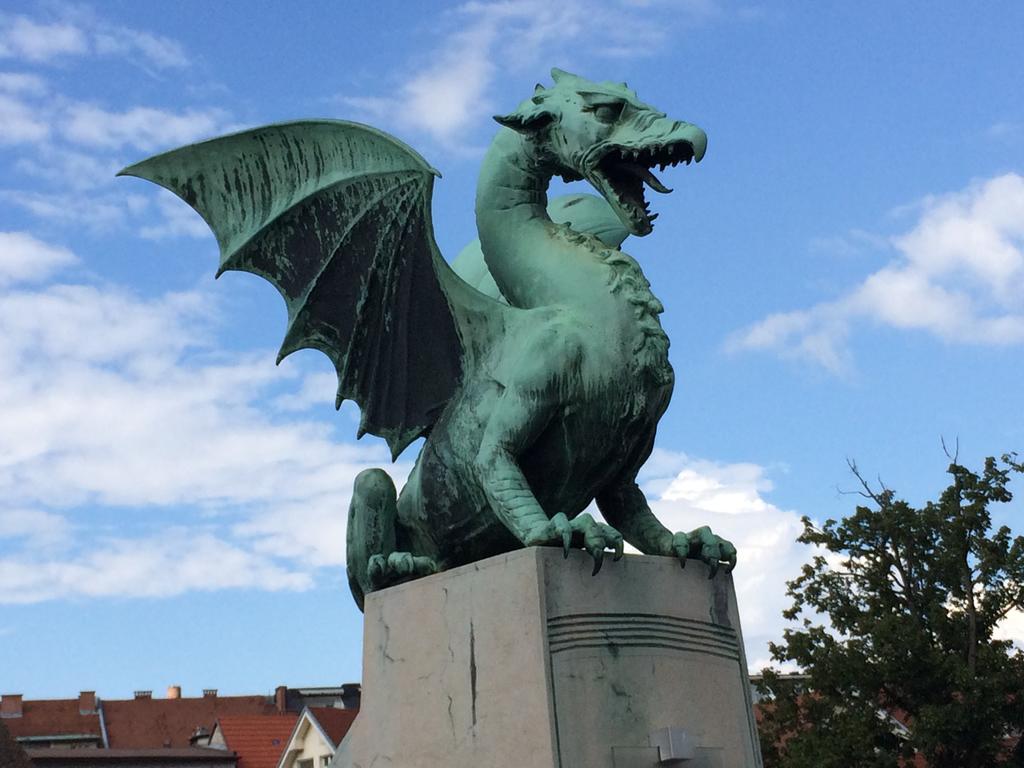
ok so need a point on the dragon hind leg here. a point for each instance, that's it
(372, 561)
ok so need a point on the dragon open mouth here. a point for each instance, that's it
(622, 172)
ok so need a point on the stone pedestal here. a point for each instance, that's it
(526, 660)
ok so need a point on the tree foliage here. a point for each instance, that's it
(912, 597)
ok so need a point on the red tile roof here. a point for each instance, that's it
(56, 717)
(131, 758)
(334, 722)
(142, 723)
(258, 740)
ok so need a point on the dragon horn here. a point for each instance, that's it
(559, 74)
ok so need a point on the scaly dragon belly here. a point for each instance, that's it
(592, 446)
(592, 443)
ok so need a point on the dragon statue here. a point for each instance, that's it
(538, 380)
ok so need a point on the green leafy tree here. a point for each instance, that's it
(912, 597)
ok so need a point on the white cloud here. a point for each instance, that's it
(443, 99)
(21, 37)
(176, 220)
(447, 95)
(79, 32)
(97, 212)
(316, 388)
(487, 39)
(722, 489)
(958, 275)
(975, 234)
(42, 529)
(20, 82)
(113, 401)
(144, 128)
(687, 493)
(162, 52)
(24, 258)
(21, 123)
(84, 181)
(68, 168)
(52, 124)
(1011, 628)
(175, 561)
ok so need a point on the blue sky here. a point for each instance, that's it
(843, 278)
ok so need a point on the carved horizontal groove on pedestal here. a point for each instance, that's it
(641, 630)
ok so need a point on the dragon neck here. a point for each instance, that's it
(531, 259)
(536, 262)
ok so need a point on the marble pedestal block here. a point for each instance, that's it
(526, 660)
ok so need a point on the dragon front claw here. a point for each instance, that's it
(554, 531)
(582, 531)
(597, 537)
(702, 544)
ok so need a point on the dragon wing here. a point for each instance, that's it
(336, 215)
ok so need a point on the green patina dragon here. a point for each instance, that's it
(539, 390)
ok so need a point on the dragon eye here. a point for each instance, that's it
(608, 113)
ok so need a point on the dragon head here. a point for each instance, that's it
(603, 133)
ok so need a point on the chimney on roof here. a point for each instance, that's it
(173, 691)
(351, 693)
(209, 693)
(10, 705)
(87, 703)
(281, 698)
(143, 694)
